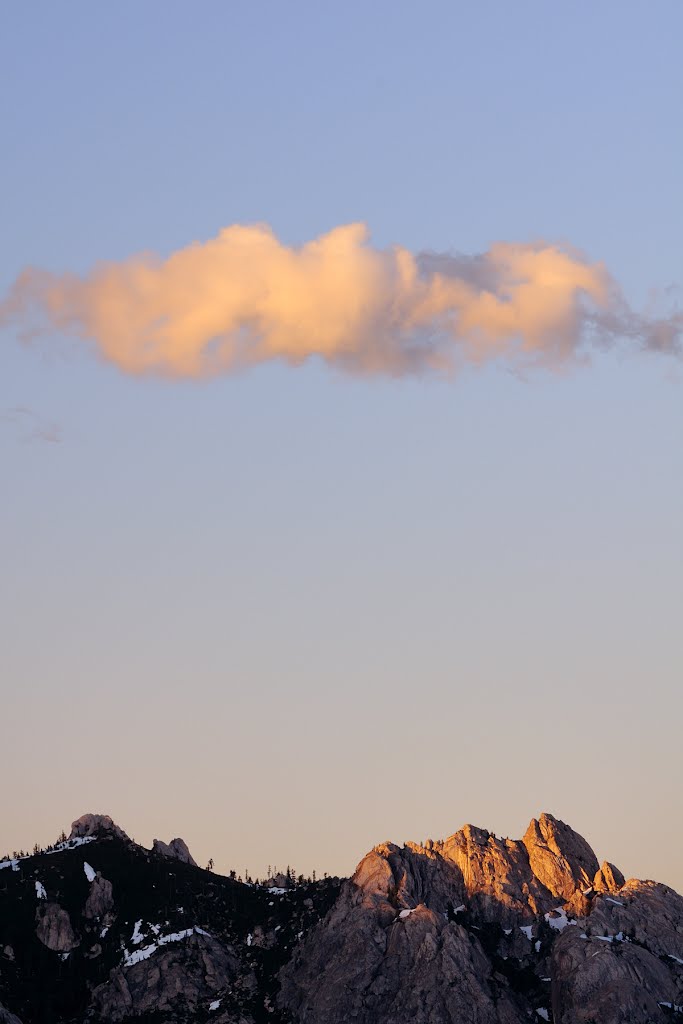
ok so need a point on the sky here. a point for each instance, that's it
(292, 609)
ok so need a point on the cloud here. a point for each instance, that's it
(244, 298)
(30, 426)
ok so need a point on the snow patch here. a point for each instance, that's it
(71, 844)
(558, 920)
(277, 891)
(676, 958)
(129, 959)
(608, 899)
(527, 929)
(404, 914)
(542, 1013)
(215, 1004)
(41, 894)
(90, 873)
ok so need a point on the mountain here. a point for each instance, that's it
(473, 928)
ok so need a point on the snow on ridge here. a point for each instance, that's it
(129, 959)
(70, 844)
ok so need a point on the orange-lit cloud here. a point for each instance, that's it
(243, 298)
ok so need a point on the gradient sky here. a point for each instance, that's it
(289, 614)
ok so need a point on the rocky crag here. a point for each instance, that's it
(473, 928)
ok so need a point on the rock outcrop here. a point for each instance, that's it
(96, 824)
(53, 928)
(182, 978)
(608, 878)
(176, 850)
(100, 901)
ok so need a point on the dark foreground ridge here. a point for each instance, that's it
(472, 929)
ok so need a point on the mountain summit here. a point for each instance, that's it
(472, 928)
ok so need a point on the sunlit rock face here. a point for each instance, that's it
(608, 878)
(559, 857)
(478, 928)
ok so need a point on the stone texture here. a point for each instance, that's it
(183, 976)
(607, 982)
(54, 928)
(372, 966)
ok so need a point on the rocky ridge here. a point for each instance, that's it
(472, 928)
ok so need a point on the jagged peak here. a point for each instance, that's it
(559, 857)
(608, 879)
